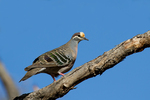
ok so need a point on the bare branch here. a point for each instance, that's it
(11, 89)
(90, 69)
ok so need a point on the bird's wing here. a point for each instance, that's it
(50, 59)
(39, 65)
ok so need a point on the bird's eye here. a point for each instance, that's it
(79, 36)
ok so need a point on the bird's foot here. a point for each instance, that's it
(53, 78)
(61, 74)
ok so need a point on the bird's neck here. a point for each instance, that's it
(74, 45)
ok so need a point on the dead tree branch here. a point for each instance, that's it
(90, 69)
(7, 81)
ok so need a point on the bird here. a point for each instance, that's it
(57, 61)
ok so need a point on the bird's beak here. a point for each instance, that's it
(86, 39)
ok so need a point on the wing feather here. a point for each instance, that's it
(49, 59)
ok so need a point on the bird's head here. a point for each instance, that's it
(79, 36)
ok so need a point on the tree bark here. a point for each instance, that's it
(11, 89)
(90, 69)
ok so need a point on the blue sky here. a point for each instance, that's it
(29, 28)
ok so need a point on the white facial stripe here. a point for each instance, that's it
(77, 37)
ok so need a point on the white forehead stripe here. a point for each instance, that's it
(82, 34)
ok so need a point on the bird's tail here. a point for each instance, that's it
(30, 73)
